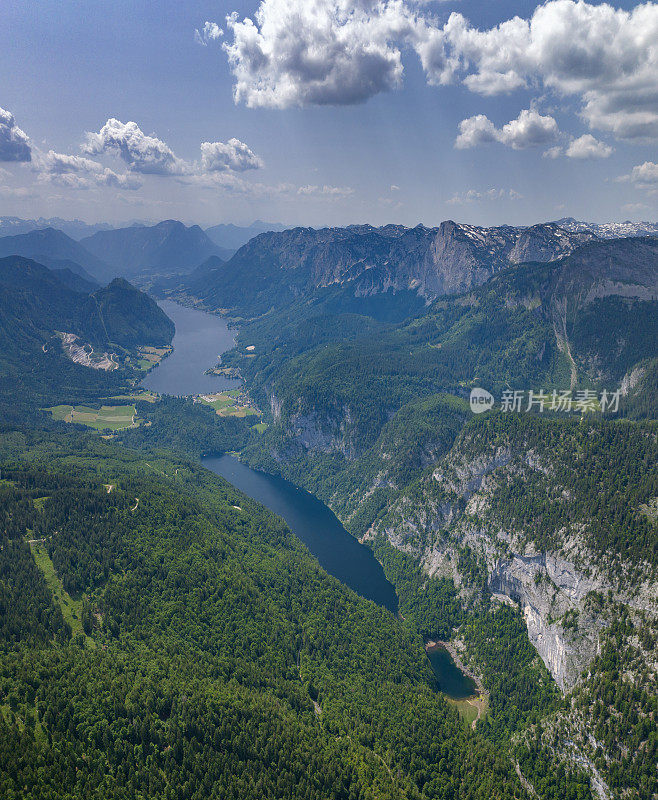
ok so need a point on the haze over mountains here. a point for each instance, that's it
(167, 246)
(75, 228)
(428, 262)
(54, 249)
(232, 237)
(273, 261)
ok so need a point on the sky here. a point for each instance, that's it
(324, 112)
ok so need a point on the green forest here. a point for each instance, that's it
(162, 636)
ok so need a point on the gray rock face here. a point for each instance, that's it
(554, 589)
(431, 262)
(546, 587)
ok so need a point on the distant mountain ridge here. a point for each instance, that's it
(55, 250)
(609, 230)
(232, 237)
(274, 268)
(75, 228)
(169, 246)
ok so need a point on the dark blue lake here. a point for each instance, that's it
(450, 679)
(316, 525)
(199, 342)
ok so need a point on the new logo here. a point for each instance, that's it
(481, 401)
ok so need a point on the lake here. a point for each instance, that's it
(316, 525)
(199, 341)
(450, 679)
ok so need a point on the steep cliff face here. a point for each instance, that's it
(551, 590)
(275, 267)
(552, 572)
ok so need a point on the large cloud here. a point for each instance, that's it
(77, 172)
(529, 129)
(232, 155)
(145, 154)
(301, 52)
(14, 143)
(605, 56)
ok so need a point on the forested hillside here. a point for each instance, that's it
(521, 535)
(333, 382)
(211, 656)
(38, 307)
(163, 636)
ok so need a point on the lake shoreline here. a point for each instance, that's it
(474, 707)
(436, 644)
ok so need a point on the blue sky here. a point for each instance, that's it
(364, 112)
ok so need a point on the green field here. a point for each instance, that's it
(71, 609)
(114, 418)
(471, 708)
(226, 404)
(142, 396)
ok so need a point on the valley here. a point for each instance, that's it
(311, 540)
(329, 400)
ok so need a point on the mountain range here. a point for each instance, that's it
(168, 246)
(75, 228)
(125, 252)
(274, 268)
(232, 237)
(170, 623)
(609, 230)
(56, 250)
(274, 264)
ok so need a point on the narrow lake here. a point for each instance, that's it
(199, 341)
(316, 525)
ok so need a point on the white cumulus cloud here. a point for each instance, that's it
(149, 155)
(145, 154)
(529, 129)
(584, 147)
(606, 57)
(645, 176)
(232, 155)
(78, 172)
(14, 143)
(304, 52)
